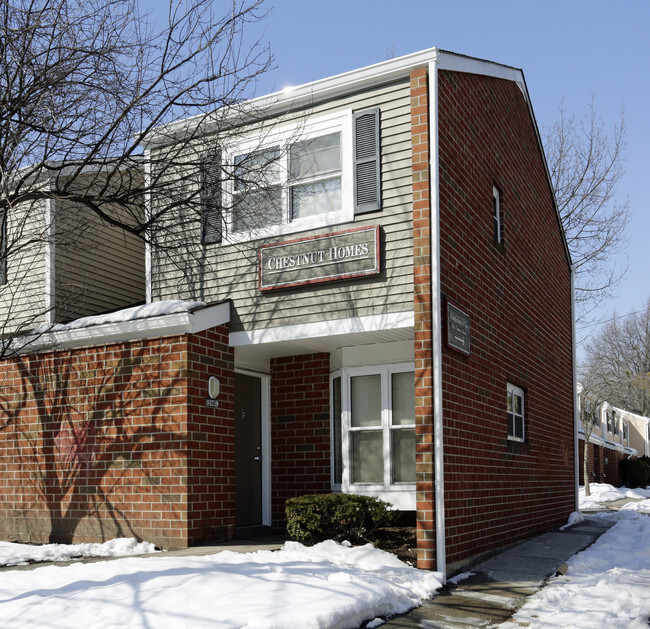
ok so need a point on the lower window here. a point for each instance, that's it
(373, 429)
(515, 411)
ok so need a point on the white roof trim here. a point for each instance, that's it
(355, 80)
(151, 327)
(354, 325)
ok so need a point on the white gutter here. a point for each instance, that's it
(574, 387)
(436, 320)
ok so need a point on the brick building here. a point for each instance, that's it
(389, 314)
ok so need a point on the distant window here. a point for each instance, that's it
(496, 212)
(515, 412)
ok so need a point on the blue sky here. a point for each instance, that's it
(568, 49)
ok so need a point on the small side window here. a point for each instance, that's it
(515, 412)
(496, 213)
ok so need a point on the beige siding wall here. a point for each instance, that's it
(22, 297)
(217, 272)
(99, 267)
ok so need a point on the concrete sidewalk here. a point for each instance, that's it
(501, 584)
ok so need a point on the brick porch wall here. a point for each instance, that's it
(300, 429)
(99, 442)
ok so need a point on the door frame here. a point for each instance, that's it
(265, 419)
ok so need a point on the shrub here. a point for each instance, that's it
(635, 472)
(314, 518)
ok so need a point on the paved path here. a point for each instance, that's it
(501, 584)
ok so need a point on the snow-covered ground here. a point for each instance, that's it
(12, 554)
(606, 586)
(327, 586)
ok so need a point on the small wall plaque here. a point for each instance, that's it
(457, 328)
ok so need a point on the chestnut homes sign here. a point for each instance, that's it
(336, 256)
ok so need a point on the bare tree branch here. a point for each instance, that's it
(586, 167)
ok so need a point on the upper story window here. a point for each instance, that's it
(515, 412)
(305, 176)
(496, 213)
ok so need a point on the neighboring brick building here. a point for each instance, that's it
(616, 434)
(394, 319)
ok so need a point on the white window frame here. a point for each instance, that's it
(496, 213)
(401, 495)
(284, 136)
(515, 390)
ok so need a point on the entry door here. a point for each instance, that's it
(248, 450)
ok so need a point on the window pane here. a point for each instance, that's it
(403, 398)
(365, 392)
(403, 455)
(253, 210)
(367, 457)
(258, 195)
(511, 424)
(315, 198)
(258, 169)
(336, 431)
(315, 157)
(517, 404)
(519, 427)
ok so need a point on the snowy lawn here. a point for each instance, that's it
(606, 586)
(326, 586)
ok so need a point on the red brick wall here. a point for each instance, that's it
(211, 438)
(99, 442)
(300, 429)
(518, 296)
(425, 515)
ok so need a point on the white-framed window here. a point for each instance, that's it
(496, 213)
(297, 177)
(373, 432)
(515, 412)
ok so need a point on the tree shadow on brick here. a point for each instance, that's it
(92, 440)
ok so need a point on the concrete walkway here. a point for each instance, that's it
(501, 584)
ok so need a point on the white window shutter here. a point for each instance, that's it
(367, 162)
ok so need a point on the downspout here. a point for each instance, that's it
(574, 383)
(436, 321)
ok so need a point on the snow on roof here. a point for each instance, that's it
(145, 311)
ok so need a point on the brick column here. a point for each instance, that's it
(425, 514)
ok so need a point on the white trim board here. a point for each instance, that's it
(319, 329)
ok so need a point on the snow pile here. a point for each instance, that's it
(637, 492)
(600, 492)
(326, 586)
(642, 506)
(574, 518)
(606, 585)
(154, 309)
(14, 554)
